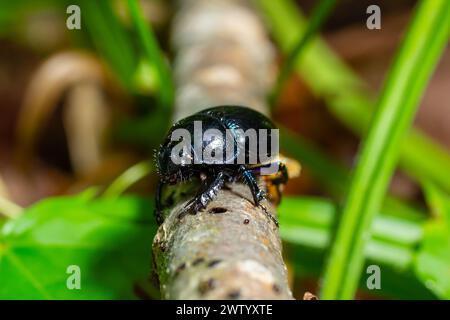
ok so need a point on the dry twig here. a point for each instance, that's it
(231, 250)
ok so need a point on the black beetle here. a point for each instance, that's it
(225, 137)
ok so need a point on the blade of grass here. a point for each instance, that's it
(306, 226)
(309, 221)
(438, 202)
(128, 178)
(420, 51)
(9, 209)
(110, 38)
(433, 258)
(319, 14)
(153, 53)
(347, 96)
(331, 175)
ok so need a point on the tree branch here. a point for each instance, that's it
(230, 250)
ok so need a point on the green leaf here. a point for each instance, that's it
(438, 201)
(109, 239)
(432, 263)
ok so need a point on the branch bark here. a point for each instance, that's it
(230, 250)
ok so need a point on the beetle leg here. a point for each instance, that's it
(274, 181)
(279, 179)
(282, 176)
(194, 204)
(258, 194)
(207, 192)
(250, 180)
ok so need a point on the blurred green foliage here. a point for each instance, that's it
(108, 238)
(422, 46)
(345, 94)
(348, 100)
(307, 227)
(432, 263)
(319, 15)
(110, 38)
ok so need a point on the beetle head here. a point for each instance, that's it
(172, 170)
